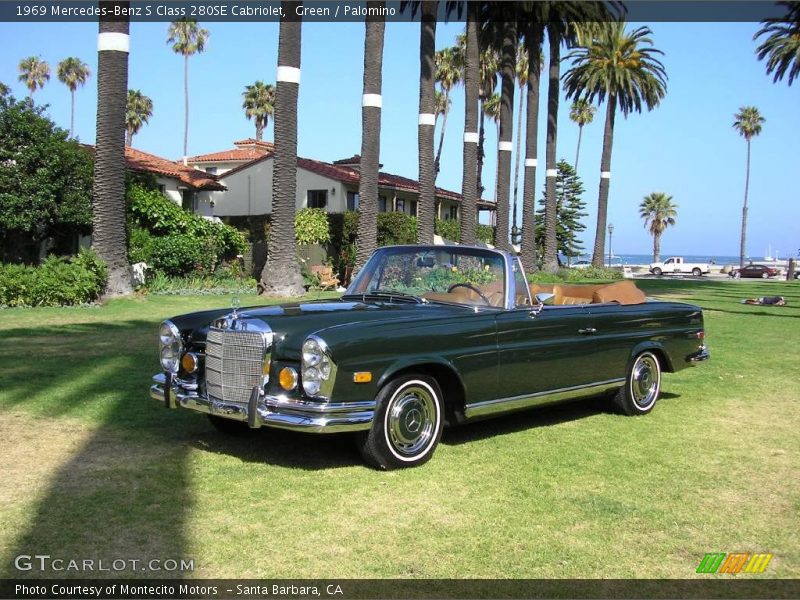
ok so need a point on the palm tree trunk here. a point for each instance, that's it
(605, 184)
(533, 46)
(514, 223)
(281, 274)
(108, 210)
(128, 137)
(427, 123)
(578, 151)
(743, 244)
(441, 135)
(469, 206)
(508, 63)
(656, 247)
(481, 152)
(550, 205)
(72, 114)
(259, 132)
(370, 137)
(186, 107)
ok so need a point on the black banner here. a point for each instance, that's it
(429, 589)
(338, 10)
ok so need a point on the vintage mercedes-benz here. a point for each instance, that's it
(425, 336)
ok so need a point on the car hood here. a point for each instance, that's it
(292, 323)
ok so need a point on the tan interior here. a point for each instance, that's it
(622, 292)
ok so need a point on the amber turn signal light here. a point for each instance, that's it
(189, 362)
(288, 378)
(362, 377)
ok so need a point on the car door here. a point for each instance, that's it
(616, 329)
(543, 351)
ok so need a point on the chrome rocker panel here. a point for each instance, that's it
(273, 411)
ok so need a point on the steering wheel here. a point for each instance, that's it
(469, 286)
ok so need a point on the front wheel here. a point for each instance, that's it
(765, 275)
(642, 386)
(657, 272)
(407, 425)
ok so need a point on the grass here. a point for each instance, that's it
(94, 469)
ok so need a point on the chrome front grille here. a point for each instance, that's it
(235, 358)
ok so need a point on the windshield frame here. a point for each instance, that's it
(359, 283)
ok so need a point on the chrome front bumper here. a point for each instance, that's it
(271, 411)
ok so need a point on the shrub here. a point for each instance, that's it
(181, 254)
(449, 229)
(484, 233)
(396, 228)
(575, 275)
(200, 285)
(57, 282)
(311, 226)
(162, 219)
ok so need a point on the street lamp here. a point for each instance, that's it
(610, 233)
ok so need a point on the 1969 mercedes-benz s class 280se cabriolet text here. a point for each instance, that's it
(425, 336)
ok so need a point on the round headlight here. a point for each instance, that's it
(312, 353)
(171, 347)
(318, 368)
(311, 387)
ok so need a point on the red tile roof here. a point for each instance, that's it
(245, 151)
(351, 176)
(136, 160)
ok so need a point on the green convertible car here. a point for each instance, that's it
(425, 336)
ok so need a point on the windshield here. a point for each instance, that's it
(450, 274)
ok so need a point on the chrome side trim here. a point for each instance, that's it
(503, 405)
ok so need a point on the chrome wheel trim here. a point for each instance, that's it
(412, 421)
(645, 381)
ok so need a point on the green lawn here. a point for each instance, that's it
(92, 468)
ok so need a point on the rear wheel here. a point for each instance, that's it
(642, 386)
(407, 425)
(697, 272)
(737, 275)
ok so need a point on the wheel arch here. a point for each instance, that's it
(664, 359)
(446, 376)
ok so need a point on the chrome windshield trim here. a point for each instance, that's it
(501, 405)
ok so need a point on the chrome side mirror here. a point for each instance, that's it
(542, 298)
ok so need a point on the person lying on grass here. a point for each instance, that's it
(773, 300)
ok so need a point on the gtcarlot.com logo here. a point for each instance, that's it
(47, 563)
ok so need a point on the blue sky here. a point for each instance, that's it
(685, 147)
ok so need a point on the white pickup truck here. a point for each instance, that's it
(675, 265)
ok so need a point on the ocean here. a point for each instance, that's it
(646, 259)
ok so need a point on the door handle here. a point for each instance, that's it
(587, 331)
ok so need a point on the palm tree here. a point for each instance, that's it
(259, 104)
(622, 67)
(658, 212)
(469, 182)
(187, 38)
(441, 103)
(782, 46)
(34, 73)
(108, 206)
(427, 122)
(492, 109)
(582, 113)
(748, 123)
(449, 73)
(371, 104)
(522, 81)
(489, 67)
(72, 72)
(281, 274)
(4, 89)
(138, 112)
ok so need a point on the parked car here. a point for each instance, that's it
(675, 265)
(424, 336)
(757, 271)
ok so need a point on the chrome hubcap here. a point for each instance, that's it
(645, 381)
(412, 420)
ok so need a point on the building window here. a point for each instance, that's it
(381, 203)
(189, 201)
(162, 189)
(453, 213)
(317, 198)
(352, 201)
(400, 206)
(211, 170)
(413, 208)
